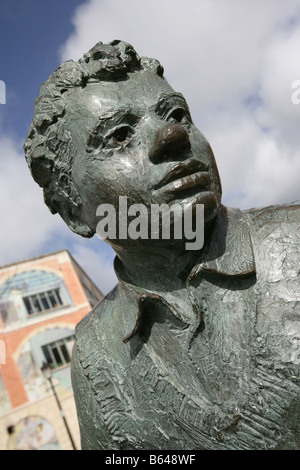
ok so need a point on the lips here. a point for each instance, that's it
(185, 176)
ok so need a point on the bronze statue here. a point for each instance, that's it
(194, 349)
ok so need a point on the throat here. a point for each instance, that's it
(161, 272)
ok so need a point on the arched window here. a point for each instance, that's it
(39, 291)
(53, 345)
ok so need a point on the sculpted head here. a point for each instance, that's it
(110, 125)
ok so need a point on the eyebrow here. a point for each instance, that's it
(165, 98)
(109, 115)
(112, 113)
(174, 94)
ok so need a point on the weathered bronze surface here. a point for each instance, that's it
(192, 349)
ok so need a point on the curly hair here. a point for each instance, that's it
(49, 150)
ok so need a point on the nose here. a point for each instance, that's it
(172, 142)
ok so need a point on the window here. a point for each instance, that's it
(59, 352)
(43, 301)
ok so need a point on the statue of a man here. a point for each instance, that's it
(194, 349)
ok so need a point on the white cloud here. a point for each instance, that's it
(279, 70)
(274, 166)
(235, 62)
(25, 220)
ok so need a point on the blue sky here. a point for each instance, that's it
(235, 62)
(31, 33)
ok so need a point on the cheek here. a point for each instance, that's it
(202, 150)
(199, 142)
(108, 179)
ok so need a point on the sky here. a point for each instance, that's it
(235, 61)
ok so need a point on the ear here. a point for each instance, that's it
(79, 227)
(69, 211)
(74, 221)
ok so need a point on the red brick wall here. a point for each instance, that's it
(15, 338)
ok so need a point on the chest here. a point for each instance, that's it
(216, 386)
(236, 378)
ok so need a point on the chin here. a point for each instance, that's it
(211, 207)
(209, 199)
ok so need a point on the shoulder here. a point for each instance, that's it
(275, 225)
(97, 356)
(98, 313)
(103, 330)
(91, 332)
(274, 214)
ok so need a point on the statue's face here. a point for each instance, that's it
(135, 138)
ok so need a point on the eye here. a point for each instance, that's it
(120, 136)
(180, 115)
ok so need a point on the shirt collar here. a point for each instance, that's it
(229, 252)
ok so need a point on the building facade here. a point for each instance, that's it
(41, 301)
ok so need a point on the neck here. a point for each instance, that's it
(159, 267)
(163, 269)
